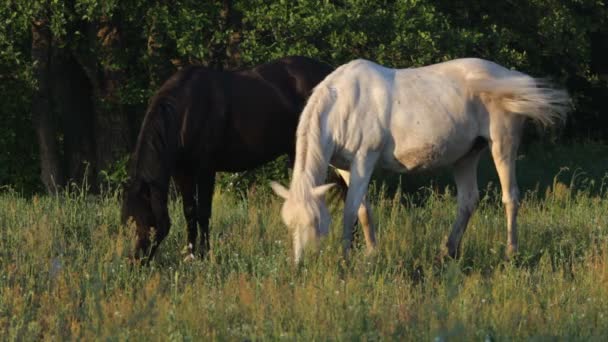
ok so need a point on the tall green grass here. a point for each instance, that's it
(64, 272)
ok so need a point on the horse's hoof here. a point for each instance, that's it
(444, 257)
(137, 260)
(511, 253)
(512, 249)
(440, 259)
(417, 274)
(133, 261)
(345, 256)
(187, 249)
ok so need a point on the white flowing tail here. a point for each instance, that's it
(524, 95)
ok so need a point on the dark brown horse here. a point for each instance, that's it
(203, 121)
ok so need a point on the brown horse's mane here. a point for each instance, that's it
(156, 139)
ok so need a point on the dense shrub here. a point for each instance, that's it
(563, 40)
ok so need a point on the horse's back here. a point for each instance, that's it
(456, 69)
(264, 107)
(360, 86)
(469, 68)
(293, 76)
(421, 116)
(358, 71)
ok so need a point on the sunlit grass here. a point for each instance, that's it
(64, 273)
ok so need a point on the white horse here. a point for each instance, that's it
(405, 120)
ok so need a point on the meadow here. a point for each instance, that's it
(64, 272)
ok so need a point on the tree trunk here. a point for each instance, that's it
(599, 53)
(103, 66)
(72, 95)
(234, 20)
(221, 50)
(42, 118)
(159, 52)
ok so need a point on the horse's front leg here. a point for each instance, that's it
(361, 171)
(206, 184)
(187, 187)
(364, 214)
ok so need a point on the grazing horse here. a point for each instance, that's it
(202, 121)
(405, 120)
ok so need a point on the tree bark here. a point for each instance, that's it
(72, 97)
(50, 167)
(158, 51)
(599, 53)
(112, 135)
(234, 20)
(225, 54)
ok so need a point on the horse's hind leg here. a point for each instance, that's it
(364, 214)
(206, 184)
(187, 187)
(465, 175)
(504, 143)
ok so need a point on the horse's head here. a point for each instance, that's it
(150, 169)
(136, 204)
(305, 214)
(146, 205)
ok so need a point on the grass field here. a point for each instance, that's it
(64, 272)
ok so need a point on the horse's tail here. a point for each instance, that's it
(521, 94)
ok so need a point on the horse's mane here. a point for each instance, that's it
(154, 142)
(313, 152)
(312, 156)
(157, 141)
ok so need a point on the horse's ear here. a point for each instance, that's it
(279, 189)
(322, 189)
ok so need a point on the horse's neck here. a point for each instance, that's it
(314, 148)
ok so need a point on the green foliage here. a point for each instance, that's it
(256, 180)
(542, 37)
(18, 156)
(117, 175)
(18, 153)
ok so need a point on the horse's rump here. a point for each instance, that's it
(522, 94)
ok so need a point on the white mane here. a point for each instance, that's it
(311, 155)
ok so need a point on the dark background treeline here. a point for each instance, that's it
(75, 75)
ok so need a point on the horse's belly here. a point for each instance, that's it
(430, 136)
(426, 156)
